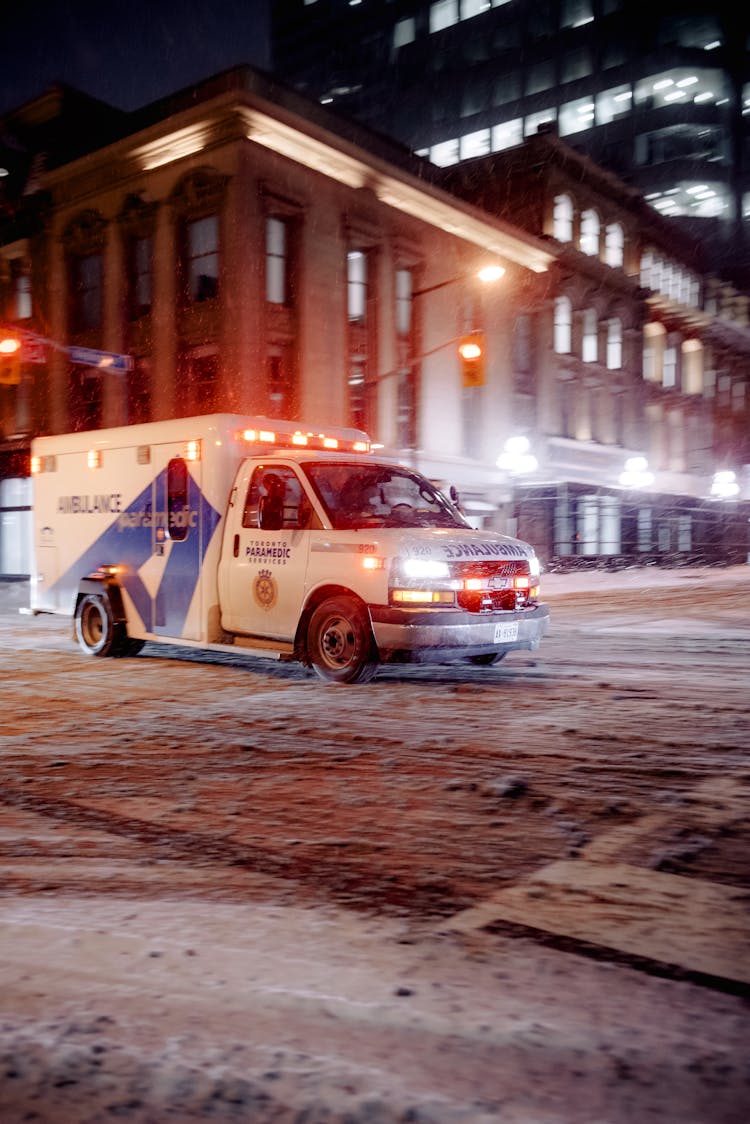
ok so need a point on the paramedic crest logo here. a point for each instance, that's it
(265, 590)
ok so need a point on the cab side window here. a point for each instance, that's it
(275, 500)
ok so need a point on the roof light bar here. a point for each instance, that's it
(288, 435)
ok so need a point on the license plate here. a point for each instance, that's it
(506, 632)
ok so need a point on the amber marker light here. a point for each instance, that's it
(370, 562)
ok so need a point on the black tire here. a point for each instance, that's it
(487, 659)
(340, 645)
(95, 627)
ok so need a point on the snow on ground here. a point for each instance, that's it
(453, 896)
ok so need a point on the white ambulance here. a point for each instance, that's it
(248, 534)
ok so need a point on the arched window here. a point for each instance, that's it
(589, 243)
(614, 245)
(654, 342)
(562, 334)
(614, 344)
(562, 218)
(647, 261)
(589, 344)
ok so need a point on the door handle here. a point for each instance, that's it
(236, 547)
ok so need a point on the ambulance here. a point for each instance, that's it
(270, 538)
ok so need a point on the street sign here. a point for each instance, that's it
(103, 360)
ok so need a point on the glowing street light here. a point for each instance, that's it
(724, 485)
(636, 473)
(516, 458)
(488, 274)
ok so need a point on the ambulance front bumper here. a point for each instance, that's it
(416, 634)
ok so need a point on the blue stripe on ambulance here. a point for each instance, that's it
(129, 542)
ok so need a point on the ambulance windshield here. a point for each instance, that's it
(362, 495)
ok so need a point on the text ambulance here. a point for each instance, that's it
(235, 533)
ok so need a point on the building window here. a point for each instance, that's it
(443, 14)
(507, 135)
(589, 343)
(277, 290)
(614, 344)
(281, 381)
(614, 245)
(445, 153)
(534, 121)
(507, 87)
(562, 219)
(356, 286)
(140, 276)
(139, 392)
(404, 289)
(202, 381)
(575, 116)
(562, 327)
(576, 64)
(540, 77)
(475, 144)
(21, 285)
(202, 254)
(470, 8)
(88, 292)
(613, 103)
(669, 370)
(575, 13)
(406, 389)
(404, 32)
(589, 242)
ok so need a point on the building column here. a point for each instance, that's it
(114, 389)
(164, 316)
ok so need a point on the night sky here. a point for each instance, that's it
(126, 52)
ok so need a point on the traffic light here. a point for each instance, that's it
(471, 351)
(10, 358)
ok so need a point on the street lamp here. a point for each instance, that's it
(724, 485)
(517, 458)
(636, 473)
(487, 275)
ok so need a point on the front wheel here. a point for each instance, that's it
(340, 645)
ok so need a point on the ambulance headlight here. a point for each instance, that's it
(424, 568)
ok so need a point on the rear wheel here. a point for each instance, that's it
(95, 626)
(97, 631)
(340, 645)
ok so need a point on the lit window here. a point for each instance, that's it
(534, 120)
(575, 116)
(276, 261)
(445, 153)
(669, 373)
(475, 144)
(471, 8)
(507, 135)
(562, 220)
(562, 328)
(613, 103)
(589, 242)
(404, 288)
(614, 344)
(404, 32)
(646, 262)
(576, 13)
(21, 281)
(590, 342)
(614, 245)
(356, 264)
(443, 14)
(203, 258)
